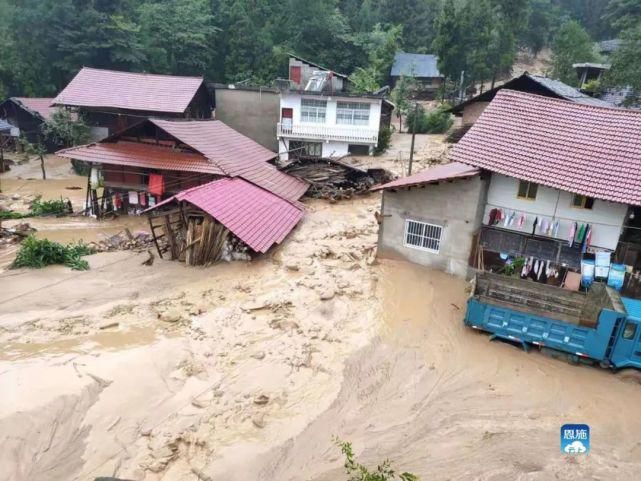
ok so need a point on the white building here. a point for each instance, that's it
(318, 117)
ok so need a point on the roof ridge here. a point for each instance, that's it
(618, 110)
(146, 74)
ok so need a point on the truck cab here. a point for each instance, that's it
(627, 344)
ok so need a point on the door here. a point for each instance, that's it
(294, 74)
(627, 348)
(287, 118)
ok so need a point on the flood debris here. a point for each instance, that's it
(334, 180)
(15, 234)
(126, 240)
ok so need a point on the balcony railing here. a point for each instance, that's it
(341, 133)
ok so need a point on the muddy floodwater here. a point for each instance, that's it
(245, 371)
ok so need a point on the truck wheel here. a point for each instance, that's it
(629, 375)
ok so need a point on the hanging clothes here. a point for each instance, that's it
(142, 198)
(492, 219)
(521, 221)
(156, 184)
(584, 244)
(572, 232)
(580, 234)
(588, 237)
(544, 226)
(117, 200)
(133, 197)
(536, 221)
(555, 229)
(152, 201)
(94, 178)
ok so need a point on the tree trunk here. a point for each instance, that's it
(42, 166)
(493, 80)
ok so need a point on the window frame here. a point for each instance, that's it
(527, 190)
(315, 106)
(633, 335)
(423, 236)
(350, 112)
(584, 201)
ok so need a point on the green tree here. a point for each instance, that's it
(381, 44)
(63, 129)
(623, 14)
(626, 66)
(572, 44)
(416, 17)
(447, 44)
(542, 17)
(401, 95)
(358, 472)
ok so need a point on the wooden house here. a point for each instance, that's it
(110, 101)
(27, 116)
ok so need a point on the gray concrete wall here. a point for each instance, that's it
(253, 113)
(456, 206)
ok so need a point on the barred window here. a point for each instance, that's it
(313, 110)
(353, 113)
(421, 235)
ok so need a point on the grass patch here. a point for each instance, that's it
(38, 253)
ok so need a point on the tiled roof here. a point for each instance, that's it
(453, 170)
(42, 106)
(141, 155)
(257, 217)
(415, 65)
(592, 151)
(131, 91)
(235, 154)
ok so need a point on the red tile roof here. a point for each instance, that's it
(235, 154)
(141, 155)
(454, 170)
(587, 150)
(132, 91)
(257, 217)
(41, 106)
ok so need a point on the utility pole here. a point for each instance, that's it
(461, 92)
(409, 170)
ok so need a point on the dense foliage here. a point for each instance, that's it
(572, 45)
(38, 253)
(436, 121)
(45, 42)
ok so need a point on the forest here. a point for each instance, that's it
(45, 42)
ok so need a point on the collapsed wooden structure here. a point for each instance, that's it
(227, 219)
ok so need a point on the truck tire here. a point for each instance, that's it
(629, 375)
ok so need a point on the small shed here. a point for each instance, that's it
(423, 68)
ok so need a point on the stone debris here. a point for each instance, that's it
(125, 240)
(261, 399)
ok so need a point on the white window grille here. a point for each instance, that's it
(421, 235)
(313, 110)
(352, 113)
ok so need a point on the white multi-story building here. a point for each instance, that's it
(318, 117)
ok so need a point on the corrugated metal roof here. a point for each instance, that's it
(257, 217)
(587, 150)
(567, 92)
(609, 46)
(141, 155)
(453, 170)
(415, 65)
(235, 154)
(40, 105)
(131, 91)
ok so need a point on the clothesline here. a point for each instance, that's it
(556, 217)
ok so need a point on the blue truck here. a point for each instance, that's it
(598, 325)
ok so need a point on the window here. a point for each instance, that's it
(421, 235)
(582, 202)
(629, 331)
(527, 190)
(313, 110)
(305, 149)
(352, 113)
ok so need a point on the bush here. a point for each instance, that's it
(38, 253)
(49, 207)
(384, 140)
(437, 121)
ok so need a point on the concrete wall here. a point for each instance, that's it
(606, 218)
(456, 206)
(253, 113)
(308, 70)
(330, 149)
(473, 111)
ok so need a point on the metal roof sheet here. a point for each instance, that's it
(131, 91)
(141, 155)
(257, 217)
(235, 154)
(567, 92)
(415, 65)
(40, 105)
(453, 170)
(587, 150)
(5, 126)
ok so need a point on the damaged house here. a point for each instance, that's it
(319, 117)
(110, 101)
(159, 162)
(553, 182)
